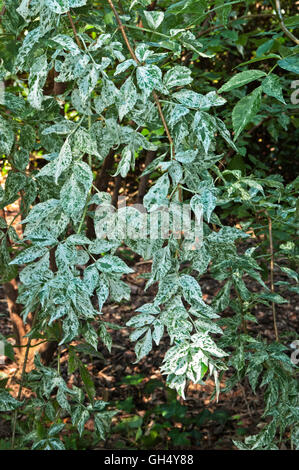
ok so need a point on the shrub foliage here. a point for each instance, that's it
(90, 90)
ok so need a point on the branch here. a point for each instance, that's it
(74, 30)
(272, 273)
(14, 420)
(244, 17)
(122, 30)
(282, 25)
(155, 96)
(157, 101)
(152, 6)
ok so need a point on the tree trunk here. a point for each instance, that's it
(11, 293)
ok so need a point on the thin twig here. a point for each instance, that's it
(246, 401)
(74, 29)
(155, 96)
(245, 17)
(282, 25)
(26, 345)
(58, 360)
(157, 101)
(122, 30)
(149, 261)
(272, 273)
(14, 421)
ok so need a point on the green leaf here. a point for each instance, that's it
(148, 78)
(88, 382)
(241, 79)
(123, 66)
(3, 223)
(154, 18)
(113, 264)
(204, 342)
(41, 210)
(227, 235)
(245, 110)
(194, 100)
(175, 171)
(290, 272)
(63, 161)
(74, 191)
(6, 136)
(102, 293)
(177, 76)
(222, 299)
(21, 159)
(90, 336)
(186, 156)
(78, 239)
(272, 87)
(77, 3)
(13, 184)
(140, 320)
(72, 196)
(79, 417)
(225, 133)
(29, 42)
(191, 290)
(125, 162)
(105, 337)
(7, 402)
(36, 81)
(127, 98)
(264, 48)
(158, 331)
(55, 429)
(66, 42)
(28, 255)
(259, 59)
(273, 297)
(175, 112)
(87, 83)
(144, 346)
(70, 327)
(208, 200)
(204, 126)
(158, 193)
(224, 12)
(102, 422)
(91, 278)
(85, 142)
(108, 96)
(290, 63)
